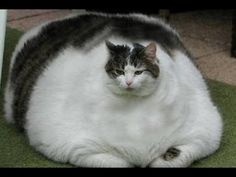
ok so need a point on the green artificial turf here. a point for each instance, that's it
(16, 152)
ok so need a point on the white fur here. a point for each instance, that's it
(74, 116)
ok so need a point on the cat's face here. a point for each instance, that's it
(133, 72)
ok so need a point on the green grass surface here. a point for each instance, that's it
(16, 152)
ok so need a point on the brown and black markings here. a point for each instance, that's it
(121, 55)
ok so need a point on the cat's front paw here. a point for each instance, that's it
(169, 159)
(171, 154)
(104, 160)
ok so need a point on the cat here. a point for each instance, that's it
(111, 90)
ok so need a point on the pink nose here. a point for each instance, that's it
(129, 82)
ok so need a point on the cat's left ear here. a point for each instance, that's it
(111, 47)
(150, 51)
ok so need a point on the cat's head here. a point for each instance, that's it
(133, 72)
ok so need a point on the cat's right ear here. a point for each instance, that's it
(111, 47)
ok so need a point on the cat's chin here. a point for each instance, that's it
(130, 92)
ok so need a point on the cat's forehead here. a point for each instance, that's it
(132, 48)
(130, 67)
(129, 51)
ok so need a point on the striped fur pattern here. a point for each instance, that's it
(40, 50)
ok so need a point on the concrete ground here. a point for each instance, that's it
(206, 33)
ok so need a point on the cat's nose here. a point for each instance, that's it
(129, 82)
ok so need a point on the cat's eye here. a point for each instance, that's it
(120, 72)
(138, 72)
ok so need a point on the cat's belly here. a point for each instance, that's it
(137, 133)
(127, 136)
(128, 126)
(138, 130)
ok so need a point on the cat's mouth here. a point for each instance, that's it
(129, 88)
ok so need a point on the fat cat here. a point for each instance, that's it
(103, 90)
